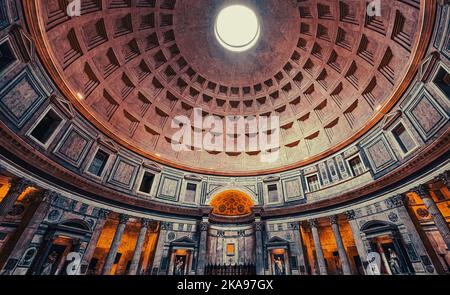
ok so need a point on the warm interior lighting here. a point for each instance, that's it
(237, 28)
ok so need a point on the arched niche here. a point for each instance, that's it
(232, 203)
(220, 189)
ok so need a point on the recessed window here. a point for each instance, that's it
(403, 139)
(313, 183)
(191, 190)
(442, 80)
(6, 56)
(98, 163)
(230, 249)
(357, 166)
(147, 182)
(237, 28)
(46, 127)
(273, 193)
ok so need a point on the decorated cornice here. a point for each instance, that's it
(10, 141)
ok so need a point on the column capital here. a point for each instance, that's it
(294, 225)
(145, 222)
(313, 223)
(50, 196)
(204, 226)
(396, 201)
(205, 211)
(123, 218)
(103, 214)
(258, 210)
(334, 219)
(18, 185)
(421, 191)
(259, 226)
(445, 178)
(153, 226)
(350, 214)
(166, 225)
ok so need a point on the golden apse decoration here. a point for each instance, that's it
(232, 203)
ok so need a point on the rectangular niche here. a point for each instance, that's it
(380, 154)
(123, 173)
(292, 189)
(46, 127)
(21, 97)
(74, 146)
(8, 55)
(442, 81)
(426, 114)
(169, 188)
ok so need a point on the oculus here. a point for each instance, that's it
(237, 28)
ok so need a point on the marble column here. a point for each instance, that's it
(259, 240)
(158, 267)
(101, 220)
(346, 269)
(18, 185)
(202, 247)
(362, 252)
(438, 218)
(319, 252)
(298, 250)
(44, 199)
(138, 249)
(259, 228)
(115, 245)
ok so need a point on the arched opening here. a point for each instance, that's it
(231, 235)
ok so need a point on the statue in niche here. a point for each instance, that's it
(180, 262)
(280, 268)
(47, 268)
(394, 262)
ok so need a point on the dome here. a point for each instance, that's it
(327, 72)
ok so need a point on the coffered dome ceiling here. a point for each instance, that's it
(325, 67)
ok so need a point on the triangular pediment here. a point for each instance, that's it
(64, 106)
(184, 241)
(277, 241)
(152, 166)
(108, 144)
(390, 118)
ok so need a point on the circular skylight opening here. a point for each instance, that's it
(237, 28)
